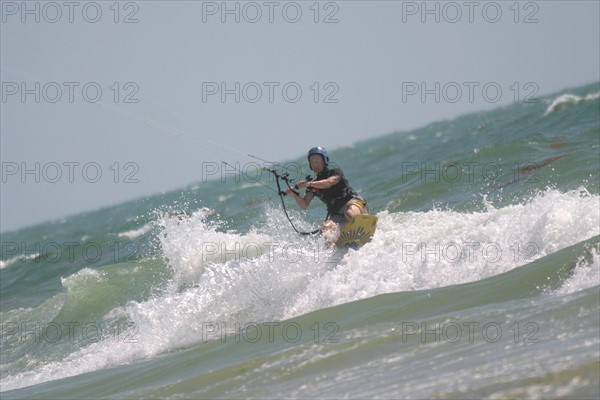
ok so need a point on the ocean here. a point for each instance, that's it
(481, 280)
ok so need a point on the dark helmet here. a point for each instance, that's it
(319, 150)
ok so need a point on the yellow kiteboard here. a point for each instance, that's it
(357, 232)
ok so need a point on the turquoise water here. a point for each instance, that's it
(481, 280)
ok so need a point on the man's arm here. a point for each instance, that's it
(324, 183)
(302, 202)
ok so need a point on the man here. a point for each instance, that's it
(331, 187)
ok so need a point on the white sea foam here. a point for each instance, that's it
(417, 251)
(586, 275)
(559, 102)
(270, 274)
(134, 233)
(19, 258)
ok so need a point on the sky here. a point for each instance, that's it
(107, 101)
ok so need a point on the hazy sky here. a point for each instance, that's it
(107, 101)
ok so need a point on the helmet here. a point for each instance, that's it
(319, 150)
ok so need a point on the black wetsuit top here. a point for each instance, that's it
(336, 196)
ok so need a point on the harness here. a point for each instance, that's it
(336, 196)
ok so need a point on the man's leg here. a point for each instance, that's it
(352, 211)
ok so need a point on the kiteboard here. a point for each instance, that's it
(358, 231)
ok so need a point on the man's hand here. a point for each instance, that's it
(302, 184)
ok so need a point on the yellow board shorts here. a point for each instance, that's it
(360, 203)
(340, 218)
